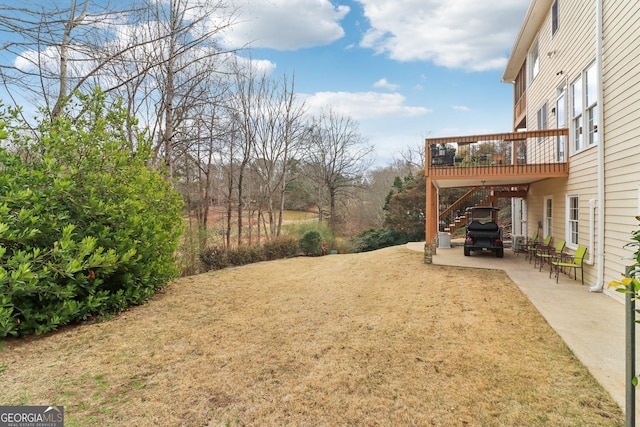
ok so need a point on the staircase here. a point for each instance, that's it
(476, 196)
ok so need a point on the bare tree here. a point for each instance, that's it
(151, 53)
(245, 136)
(278, 138)
(50, 50)
(179, 65)
(413, 156)
(338, 156)
(228, 165)
(201, 146)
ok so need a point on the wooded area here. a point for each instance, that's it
(237, 142)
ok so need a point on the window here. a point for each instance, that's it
(542, 117)
(561, 122)
(554, 17)
(534, 61)
(576, 114)
(584, 109)
(591, 104)
(548, 216)
(572, 220)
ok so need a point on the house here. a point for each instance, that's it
(571, 165)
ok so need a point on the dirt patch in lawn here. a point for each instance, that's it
(366, 339)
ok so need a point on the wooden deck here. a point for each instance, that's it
(503, 172)
(493, 160)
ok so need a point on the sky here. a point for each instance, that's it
(405, 70)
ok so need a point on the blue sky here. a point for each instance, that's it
(404, 69)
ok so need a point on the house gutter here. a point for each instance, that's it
(599, 253)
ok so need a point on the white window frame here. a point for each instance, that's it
(584, 110)
(561, 122)
(576, 115)
(542, 117)
(591, 104)
(533, 61)
(573, 221)
(547, 215)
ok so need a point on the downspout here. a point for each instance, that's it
(599, 285)
(593, 206)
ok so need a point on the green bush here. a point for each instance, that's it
(85, 226)
(373, 239)
(311, 243)
(368, 240)
(392, 238)
(298, 231)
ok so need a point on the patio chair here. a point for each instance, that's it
(525, 246)
(542, 248)
(534, 248)
(550, 254)
(575, 261)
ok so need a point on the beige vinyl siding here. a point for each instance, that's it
(558, 190)
(575, 49)
(621, 53)
(572, 49)
(582, 181)
(562, 59)
(622, 127)
(554, 188)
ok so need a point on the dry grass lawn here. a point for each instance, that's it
(374, 339)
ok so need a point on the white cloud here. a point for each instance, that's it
(285, 24)
(461, 108)
(49, 61)
(364, 105)
(385, 84)
(468, 34)
(258, 66)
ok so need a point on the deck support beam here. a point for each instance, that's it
(431, 214)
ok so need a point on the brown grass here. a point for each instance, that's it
(366, 339)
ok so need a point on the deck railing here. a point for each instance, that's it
(534, 152)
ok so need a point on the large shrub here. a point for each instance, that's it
(311, 243)
(85, 226)
(373, 239)
(298, 230)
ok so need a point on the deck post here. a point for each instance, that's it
(431, 230)
(431, 221)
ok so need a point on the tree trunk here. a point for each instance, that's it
(240, 210)
(64, 58)
(229, 202)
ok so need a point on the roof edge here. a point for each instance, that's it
(533, 20)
